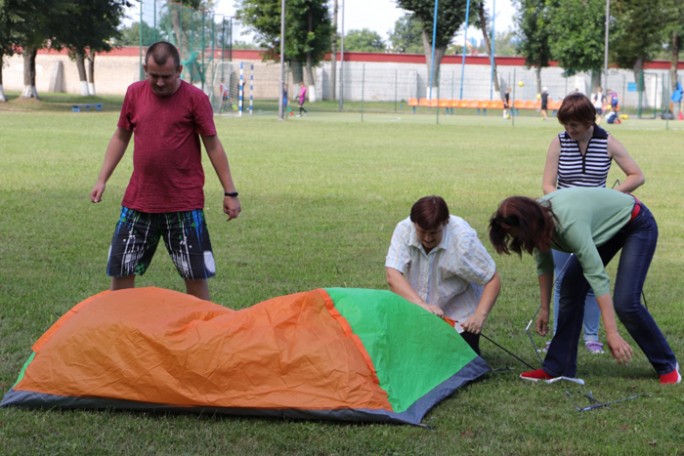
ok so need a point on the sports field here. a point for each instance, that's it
(321, 196)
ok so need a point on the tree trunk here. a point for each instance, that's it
(80, 66)
(488, 45)
(30, 73)
(674, 59)
(297, 73)
(175, 23)
(309, 63)
(176, 11)
(539, 81)
(3, 98)
(638, 69)
(596, 80)
(432, 92)
(91, 72)
(333, 48)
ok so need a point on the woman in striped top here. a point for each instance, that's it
(581, 156)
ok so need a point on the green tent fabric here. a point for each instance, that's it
(337, 353)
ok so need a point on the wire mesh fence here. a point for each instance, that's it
(239, 85)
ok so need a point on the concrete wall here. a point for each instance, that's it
(369, 77)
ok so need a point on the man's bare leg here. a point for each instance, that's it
(120, 283)
(198, 287)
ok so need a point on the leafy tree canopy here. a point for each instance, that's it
(364, 40)
(450, 17)
(533, 34)
(580, 46)
(307, 22)
(406, 37)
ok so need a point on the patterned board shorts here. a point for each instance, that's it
(137, 235)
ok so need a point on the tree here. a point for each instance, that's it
(35, 23)
(451, 15)
(307, 35)
(188, 26)
(364, 40)
(130, 36)
(635, 28)
(505, 43)
(407, 35)
(90, 29)
(534, 37)
(482, 21)
(333, 49)
(580, 28)
(7, 42)
(673, 34)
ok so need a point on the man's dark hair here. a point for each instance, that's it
(161, 51)
(430, 212)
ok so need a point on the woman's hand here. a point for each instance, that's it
(619, 348)
(542, 324)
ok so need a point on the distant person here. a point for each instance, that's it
(598, 100)
(225, 97)
(507, 103)
(436, 261)
(301, 99)
(167, 117)
(581, 156)
(614, 101)
(613, 117)
(544, 103)
(676, 99)
(285, 97)
(594, 224)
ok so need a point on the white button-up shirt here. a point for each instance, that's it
(452, 274)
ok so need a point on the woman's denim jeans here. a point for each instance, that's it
(592, 314)
(637, 239)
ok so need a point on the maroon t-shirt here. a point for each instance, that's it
(167, 155)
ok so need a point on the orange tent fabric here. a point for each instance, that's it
(297, 355)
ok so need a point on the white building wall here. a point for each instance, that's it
(368, 81)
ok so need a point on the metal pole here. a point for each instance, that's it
(363, 88)
(230, 41)
(251, 89)
(605, 49)
(341, 91)
(396, 86)
(141, 41)
(432, 62)
(281, 111)
(465, 40)
(513, 101)
(491, 57)
(223, 51)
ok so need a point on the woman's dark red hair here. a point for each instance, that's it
(533, 223)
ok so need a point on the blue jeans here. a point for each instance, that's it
(637, 239)
(592, 314)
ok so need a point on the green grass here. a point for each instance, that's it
(321, 196)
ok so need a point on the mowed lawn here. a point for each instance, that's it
(321, 196)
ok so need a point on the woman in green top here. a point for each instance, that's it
(594, 224)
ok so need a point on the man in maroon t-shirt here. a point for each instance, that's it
(166, 117)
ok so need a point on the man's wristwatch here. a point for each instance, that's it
(231, 194)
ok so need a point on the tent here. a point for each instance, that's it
(337, 353)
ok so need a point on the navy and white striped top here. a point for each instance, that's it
(588, 170)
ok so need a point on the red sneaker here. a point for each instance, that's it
(672, 378)
(535, 375)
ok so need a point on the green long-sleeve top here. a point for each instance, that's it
(586, 218)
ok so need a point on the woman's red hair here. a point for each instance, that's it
(533, 223)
